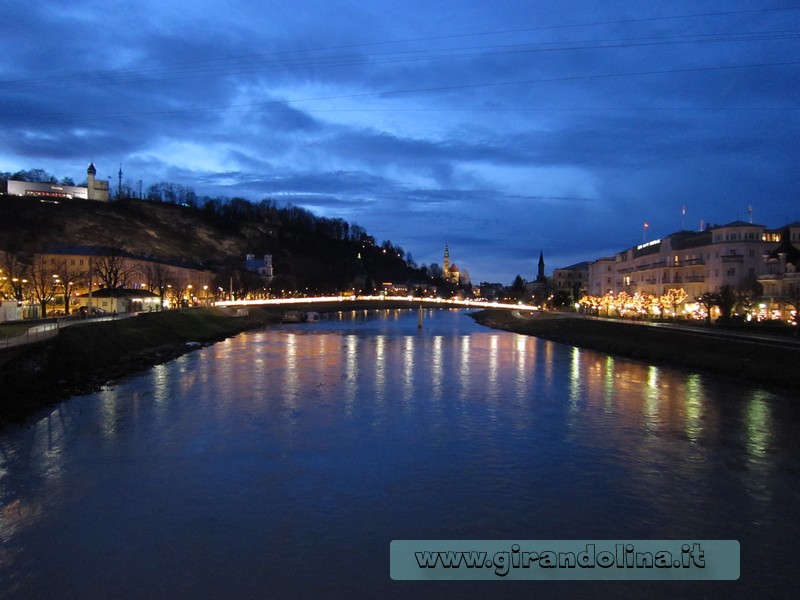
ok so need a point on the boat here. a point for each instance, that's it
(291, 316)
(312, 317)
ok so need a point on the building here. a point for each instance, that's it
(108, 267)
(94, 190)
(780, 280)
(450, 271)
(262, 268)
(571, 282)
(698, 262)
(118, 301)
(10, 310)
(539, 290)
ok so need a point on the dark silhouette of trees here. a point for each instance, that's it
(113, 270)
(32, 176)
(157, 279)
(172, 193)
(14, 276)
(791, 297)
(42, 283)
(518, 288)
(707, 301)
(726, 301)
(68, 278)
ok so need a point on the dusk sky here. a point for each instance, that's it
(501, 128)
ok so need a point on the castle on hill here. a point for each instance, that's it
(96, 189)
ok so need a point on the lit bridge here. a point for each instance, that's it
(413, 302)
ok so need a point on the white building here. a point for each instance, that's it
(94, 190)
(698, 262)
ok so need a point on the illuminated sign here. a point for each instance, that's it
(648, 244)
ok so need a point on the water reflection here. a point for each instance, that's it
(758, 424)
(360, 429)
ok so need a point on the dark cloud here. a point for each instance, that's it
(501, 130)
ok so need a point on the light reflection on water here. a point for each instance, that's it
(222, 472)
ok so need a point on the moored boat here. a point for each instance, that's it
(291, 316)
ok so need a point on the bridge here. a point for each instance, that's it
(413, 302)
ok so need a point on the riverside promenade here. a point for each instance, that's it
(47, 330)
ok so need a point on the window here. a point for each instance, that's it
(732, 272)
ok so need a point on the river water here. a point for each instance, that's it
(282, 462)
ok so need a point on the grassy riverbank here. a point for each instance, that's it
(762, 363)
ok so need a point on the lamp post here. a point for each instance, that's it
(56, 283)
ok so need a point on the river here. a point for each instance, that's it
(281, 463)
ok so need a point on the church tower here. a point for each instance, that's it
(540, 277)
(446, 264)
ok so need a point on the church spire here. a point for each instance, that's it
(540, 277)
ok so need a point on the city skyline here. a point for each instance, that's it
(501, 131)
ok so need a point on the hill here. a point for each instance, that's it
(137, 227)
(308, 251)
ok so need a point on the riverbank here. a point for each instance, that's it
(82, 358)
(757, 361)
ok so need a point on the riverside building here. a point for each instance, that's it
(738, 255)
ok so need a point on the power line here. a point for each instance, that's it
(198, 68)
(282, 104)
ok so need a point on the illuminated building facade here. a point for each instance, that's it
(699, 262)
(94, 190)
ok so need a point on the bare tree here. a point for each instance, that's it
(157, 279)
(748, 294)
(791, 297)
(43, 283)
(14, 276)
(69, 276)
(707, 301)
(113, 269)
(726, 300)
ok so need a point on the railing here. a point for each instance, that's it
(43, 331)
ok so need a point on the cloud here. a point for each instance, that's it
(502, 130)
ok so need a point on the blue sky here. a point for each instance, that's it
(500, 128)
